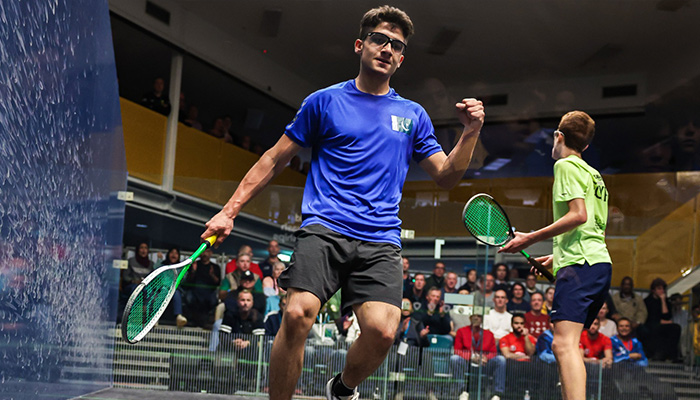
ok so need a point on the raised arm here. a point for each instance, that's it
(258, 177)
(447, 170)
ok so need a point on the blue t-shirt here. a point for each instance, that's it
(361, 148)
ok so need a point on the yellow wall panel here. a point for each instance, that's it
(144, 141)
(198, 164)
(622, 253)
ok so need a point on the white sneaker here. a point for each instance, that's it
(496, 397)
(331, 396)
(431, 396)
(464, 396)
(180, 321)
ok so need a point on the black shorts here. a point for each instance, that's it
(325, 261)
(580, 291)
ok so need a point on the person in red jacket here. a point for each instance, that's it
(476, 347)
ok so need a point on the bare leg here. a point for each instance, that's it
(378, 323)
(287, 354)
(572, 371)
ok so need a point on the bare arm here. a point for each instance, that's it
(258, 177)
(576, 216)
(529, 346)
(447, 170)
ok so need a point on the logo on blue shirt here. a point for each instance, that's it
(400, 124)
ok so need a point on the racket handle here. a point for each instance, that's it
(539, 267)
(210, 240)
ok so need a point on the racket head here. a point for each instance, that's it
(486, 220)
(149, 300)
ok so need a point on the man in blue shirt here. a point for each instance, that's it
(363, 136)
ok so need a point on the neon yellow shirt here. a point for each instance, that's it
(575, 179)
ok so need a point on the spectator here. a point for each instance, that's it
(412, 331)
(625, 347)
(139, 266)
(596, 346)
(474, 348)
(607, 326)
(248, 282)
(273, 320)
(450, 284)
(243, 319)
(417, 292)
(273, 250)
(530, 286)
(254, 267)
(518, 345)
(157, 100)
(434, 317)
(407, 278)
(629, 304)
(548, 299)
(659, 334)
(203, 279)
(437, 279)
(218, 130)
(485, 297)
(245, 143)
(232, 280)
(500, 273)
(470, 285)
(192, 119)
(543, 347)
(516, 304)
(171, 258)
(269, 284)
(498, 320)
(536, 321)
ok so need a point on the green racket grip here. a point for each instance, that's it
(208, 242)
(539, 267)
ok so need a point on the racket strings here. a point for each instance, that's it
(147, 304)
(486, 221)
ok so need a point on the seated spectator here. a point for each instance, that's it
(173, 257)
(202, 282)
(273, 320)
(157, 100)
(248, 281)
(417, 292)
(273, 250)
(411, 330)
(484, 297)
(548, 300)
(543, 347)
(407, 278)
(437, 279)
(254, 267)
(500, 273)
(139, 266)
(471, 284)
(518, 345)
(596, 346)
(517, 304)
(607, 326)
(536, 322)
(218, 130)
(192, 119)
(530, 286)
(499, 320)
(269, 284)
(232, 280)
(434, 316)
(450, 284)
(659, 335)
(625, 347)
(475, 347)
(242, 319)
(629, 304)
(245, 143)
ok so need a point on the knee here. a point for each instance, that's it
(561, 346)
(297, 319)
(499, 360)
(382, 336)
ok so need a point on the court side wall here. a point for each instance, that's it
(62, 164)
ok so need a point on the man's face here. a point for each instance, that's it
(273, 248)
(531, 282)
(206, 256)
(247, 283)
(243, 262)
(406, 264)
(419, 283)
(245, 302)
(595, 326)
(406, 307)
(475, 320)
(489, 282)
(439, 270)
(376, 59)
(518, 292)
(518, 323)
(451, 280)
(626, 286)
(500, 299)
(433, 296)
(158, 85)
(536, 302)
(624, 328)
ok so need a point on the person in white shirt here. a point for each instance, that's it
(608, 327)
(498, 319)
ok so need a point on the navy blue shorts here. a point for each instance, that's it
(580, 291)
